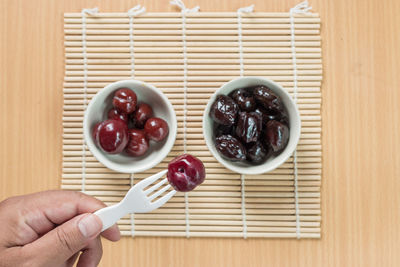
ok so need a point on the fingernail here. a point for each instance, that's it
(89, 225)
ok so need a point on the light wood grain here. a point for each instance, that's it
(360, 185)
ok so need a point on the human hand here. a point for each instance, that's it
(50, 229)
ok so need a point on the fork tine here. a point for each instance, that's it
(149, 180)
(161, 201)
(154, 187)
(159, 192)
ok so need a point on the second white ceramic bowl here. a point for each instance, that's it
(97, 111)
(294, 121)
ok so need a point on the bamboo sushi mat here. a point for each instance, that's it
(188, 56)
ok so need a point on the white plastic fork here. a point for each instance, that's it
(137, 200)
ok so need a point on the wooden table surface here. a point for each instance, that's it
(361, 133)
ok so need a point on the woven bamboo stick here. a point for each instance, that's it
(78, 43)
(111, 68)
(283, 218)
(194, 38)
(218, 228)
(227, 223)
(210, 61)
(190, 79)
(177, 221)
(205, 54)
(192, 32)
(197, 15)
(193, 50)
(223, 234)
(175, 26)
(144, 20)
(194, 73)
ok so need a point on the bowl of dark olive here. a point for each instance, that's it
(130, 126)
(251, 125)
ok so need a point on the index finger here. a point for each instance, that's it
(59, 206)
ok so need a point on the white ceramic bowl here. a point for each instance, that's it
(97, 111)
(294, 120)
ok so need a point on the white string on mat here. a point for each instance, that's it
(244, 221)
(132, 215)
(92, 12)
(133, 12)
(184, 11)
(241, 10)
(248, 9)
(301, 8)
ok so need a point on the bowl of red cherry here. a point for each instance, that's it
(251, 125)
(130, 126)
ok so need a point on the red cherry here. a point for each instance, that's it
(115, 114)
(95, 133)
(111, 136)
(156, 129)
(186, 172)
(125, 100)
(138, 143)
(142, 113)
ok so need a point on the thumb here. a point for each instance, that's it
(58, 245)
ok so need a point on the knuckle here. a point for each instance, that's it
(9, 201)
(22, 234)
(63, 239)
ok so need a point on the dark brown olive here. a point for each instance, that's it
(271, 115)
(284, 117)
(249, 126)
(220, 129)
(276, 136)
(230, 148)
(256, 153)
(267, 98)
(244, 99)
(224, 110)
(263, 113)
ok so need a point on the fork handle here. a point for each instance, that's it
(110, 215)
